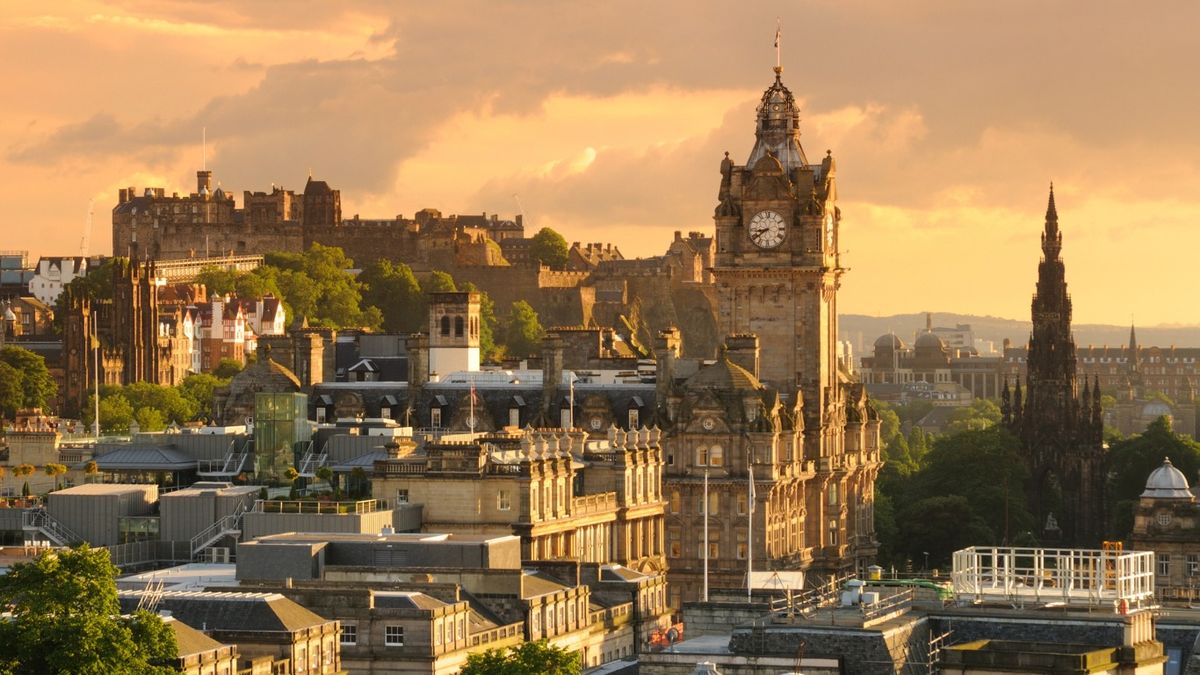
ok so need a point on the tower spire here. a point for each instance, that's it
(1051, 237)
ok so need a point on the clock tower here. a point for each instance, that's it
(776, 267)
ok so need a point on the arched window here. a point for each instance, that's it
(458, 326)
(445, 325)
(716, 456)
(702, 456)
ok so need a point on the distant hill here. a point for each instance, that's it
(861, 330)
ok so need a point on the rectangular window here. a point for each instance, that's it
(833, 533)
(676, 549)
(1164, 565)
(514, 417)
(633, 418)
(349, 634)
(702, 456)
(320, 415)
(437, 633)
(716, 456)
(393, 636)
(741, 505)
(402, 496)
(503, 501)
(385, 412)
(741, 547)
(714, 503)
(1193, 565)
(435, 417)
(833, 494)
(676, 501)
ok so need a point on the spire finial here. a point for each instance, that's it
(778, 43)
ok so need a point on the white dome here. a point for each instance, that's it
(1167, 482)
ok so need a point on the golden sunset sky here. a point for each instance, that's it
(948, 119)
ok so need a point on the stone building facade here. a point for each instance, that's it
(1166, 521)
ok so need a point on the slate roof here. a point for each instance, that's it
(231, 611)
(191, 641)
(144, 458)
(534, 583)
(405, 600)
(724, 375)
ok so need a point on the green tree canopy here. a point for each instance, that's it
(200, 388)
(889, 421)
(38, 388)
(981, 414)
(227, 368)
(394, 290)
(522, 331)
(97, 284)
(549, 248)
(65, 618)
(530, 658)
(12, 391)
(1130, 462)
(438, 282)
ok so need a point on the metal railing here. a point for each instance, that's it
(40, 520)
(311, 462)
(320, 507)
(888, 605)
(226, 526)
(1069, 576)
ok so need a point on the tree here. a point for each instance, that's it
(940, 526)
(530, 658)
(549, 248)
(65, 618)
(200, 388)
(115, 413)
(981, 414)
(317, 284)
(1130, 462)
(522, 331)
(12, 391)
(96, 285)
(54, 471)
(889, 421)
(37, 386)
(149, 419)
(394, 290)
(170, 402)
(439, 282)
(227, 368)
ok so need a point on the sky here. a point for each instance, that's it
(607, 122)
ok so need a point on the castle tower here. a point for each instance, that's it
(1060, 430)
(454, 320)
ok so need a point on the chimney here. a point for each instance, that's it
(417, 346)
(552, 371)
(666, 353)
(742, 349)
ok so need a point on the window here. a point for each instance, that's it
(445, 325)
(349, 634)
(437, 633)
(676, 501)
(675, 549)
(458, 628)
(393, 636)
(385, 412)
(670, 459)
(1164, 519)
(702, 456)
(503, 501)
(402, 496)
(301, 660)
(458, 326)
(741, 505)
(714, 503)
(1164, 565)
(320, 415)
(1193, 565)
(716, 456)
(833, 494)
(633, 418)
(435, 417)
(741, 547)
(833, 533)
(514, 417)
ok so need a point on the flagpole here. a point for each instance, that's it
(96, 359)
(750, 531)
(778, 41)
(705, 535)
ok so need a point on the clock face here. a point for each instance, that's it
(709, 424)
(767, 229)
